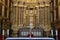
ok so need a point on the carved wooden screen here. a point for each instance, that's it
(23, 32)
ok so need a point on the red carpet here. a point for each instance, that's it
(0, 37)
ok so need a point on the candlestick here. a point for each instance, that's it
(56, 34)
(3, 32)
(7, 31)
(52, 33)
